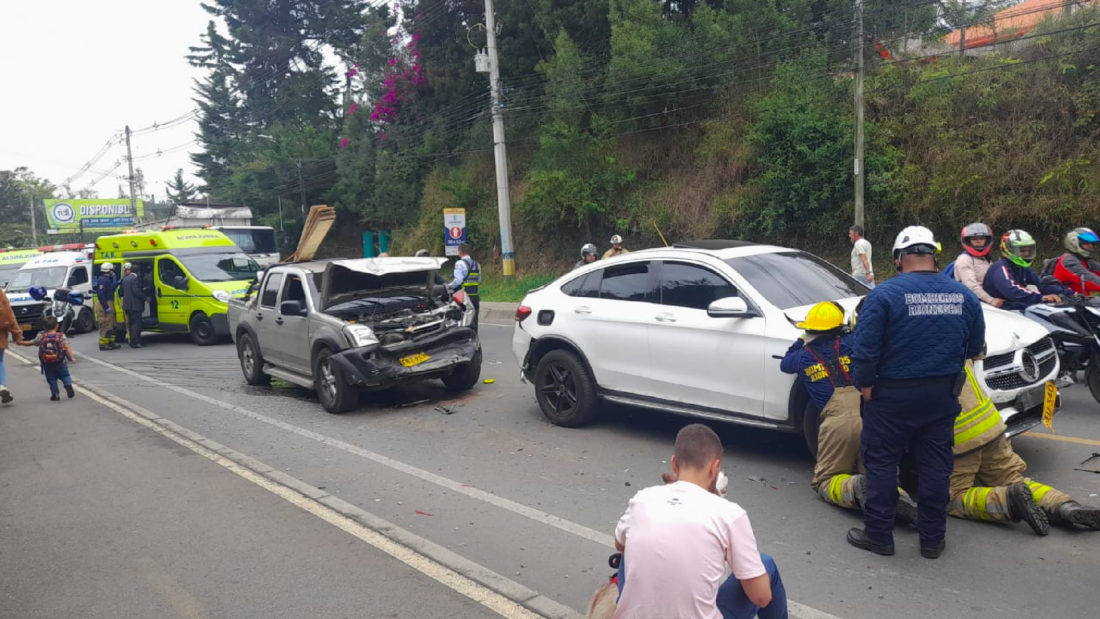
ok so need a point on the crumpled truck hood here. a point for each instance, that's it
(379, 267)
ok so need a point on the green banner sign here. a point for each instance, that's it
(74, 216)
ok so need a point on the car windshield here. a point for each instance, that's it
(220, 267)
(49, 277)
(796, 278)
(253, 240)
(7, 274)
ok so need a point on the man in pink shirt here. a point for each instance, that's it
(678, 538)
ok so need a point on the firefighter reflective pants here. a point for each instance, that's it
(106, 321)
(918, 415)
(996, 466)
(838, 449)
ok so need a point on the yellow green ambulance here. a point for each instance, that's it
(11, 260)
(188, 274)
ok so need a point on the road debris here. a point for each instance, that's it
(446, 410)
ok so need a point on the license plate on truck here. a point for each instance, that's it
(412, 360)
(24, 326)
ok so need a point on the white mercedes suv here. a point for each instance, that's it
(699, 329)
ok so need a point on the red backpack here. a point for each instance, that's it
(50, 349)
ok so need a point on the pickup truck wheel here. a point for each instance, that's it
(252, 362)
(333, 391)
(465, 376)
(1092, 377)
(565, 391)
(202, 330)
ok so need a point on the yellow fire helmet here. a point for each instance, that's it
(824, 316)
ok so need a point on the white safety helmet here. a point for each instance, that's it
(915, 240)
(422, 253)
(127, 266)
(106, 267)
(616, 240)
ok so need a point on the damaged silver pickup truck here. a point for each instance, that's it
(345, 326)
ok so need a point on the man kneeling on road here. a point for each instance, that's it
(821, 359)
(983, 455)
(676, 540)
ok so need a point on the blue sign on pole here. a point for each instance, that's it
(454, 230)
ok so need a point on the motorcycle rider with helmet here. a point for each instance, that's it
(588, 255)
(1012, 279)
(1076, 269)
(972, 265)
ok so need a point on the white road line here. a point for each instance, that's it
(442, 574)
(797, 610)
(450, 484)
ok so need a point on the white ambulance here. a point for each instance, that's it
(58, 266)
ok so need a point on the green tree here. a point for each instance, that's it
(179, 190)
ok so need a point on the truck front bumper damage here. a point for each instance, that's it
(378, 367)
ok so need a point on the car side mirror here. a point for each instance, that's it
(729, 307)
(180, 281)
(292, 308)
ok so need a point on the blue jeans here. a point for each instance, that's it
(3, 374)
(732, 601)
(53, 373)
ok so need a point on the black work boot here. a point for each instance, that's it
(1022, 507)
(859, 539)
(1072, 514)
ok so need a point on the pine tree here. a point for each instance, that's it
(180, 191)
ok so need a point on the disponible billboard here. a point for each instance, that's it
(73, 216)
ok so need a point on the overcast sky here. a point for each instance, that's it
(73, 73)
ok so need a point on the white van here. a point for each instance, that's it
(257, 241)
(52, 270)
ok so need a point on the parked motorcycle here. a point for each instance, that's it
(64, 305)
(1074, 325)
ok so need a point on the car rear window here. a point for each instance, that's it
(796, 278)
(587, 285)
(633, 281)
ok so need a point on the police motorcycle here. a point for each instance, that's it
(64, 305)
(1074, 325)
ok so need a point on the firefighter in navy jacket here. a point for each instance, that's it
(916, 331)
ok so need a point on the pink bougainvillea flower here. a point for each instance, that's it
(344, 142)
(393, 61)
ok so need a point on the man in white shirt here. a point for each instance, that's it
(861, 257)
(678, 538)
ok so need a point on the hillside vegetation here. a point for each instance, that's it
(687, 119)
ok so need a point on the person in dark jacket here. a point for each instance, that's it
(133, 304)
(916, 331)
(821, 359)
(1012, 279)
(1076, 269)
(105, 286)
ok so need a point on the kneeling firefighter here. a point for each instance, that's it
(983, 455)
(821, 358)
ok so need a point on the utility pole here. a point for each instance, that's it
(301, 190)
(500, 153)
(130, 162)
(962, 28)
(34, 225)
(858, 162)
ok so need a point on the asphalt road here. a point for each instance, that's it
(533, 506)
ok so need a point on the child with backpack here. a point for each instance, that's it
(53, 352)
